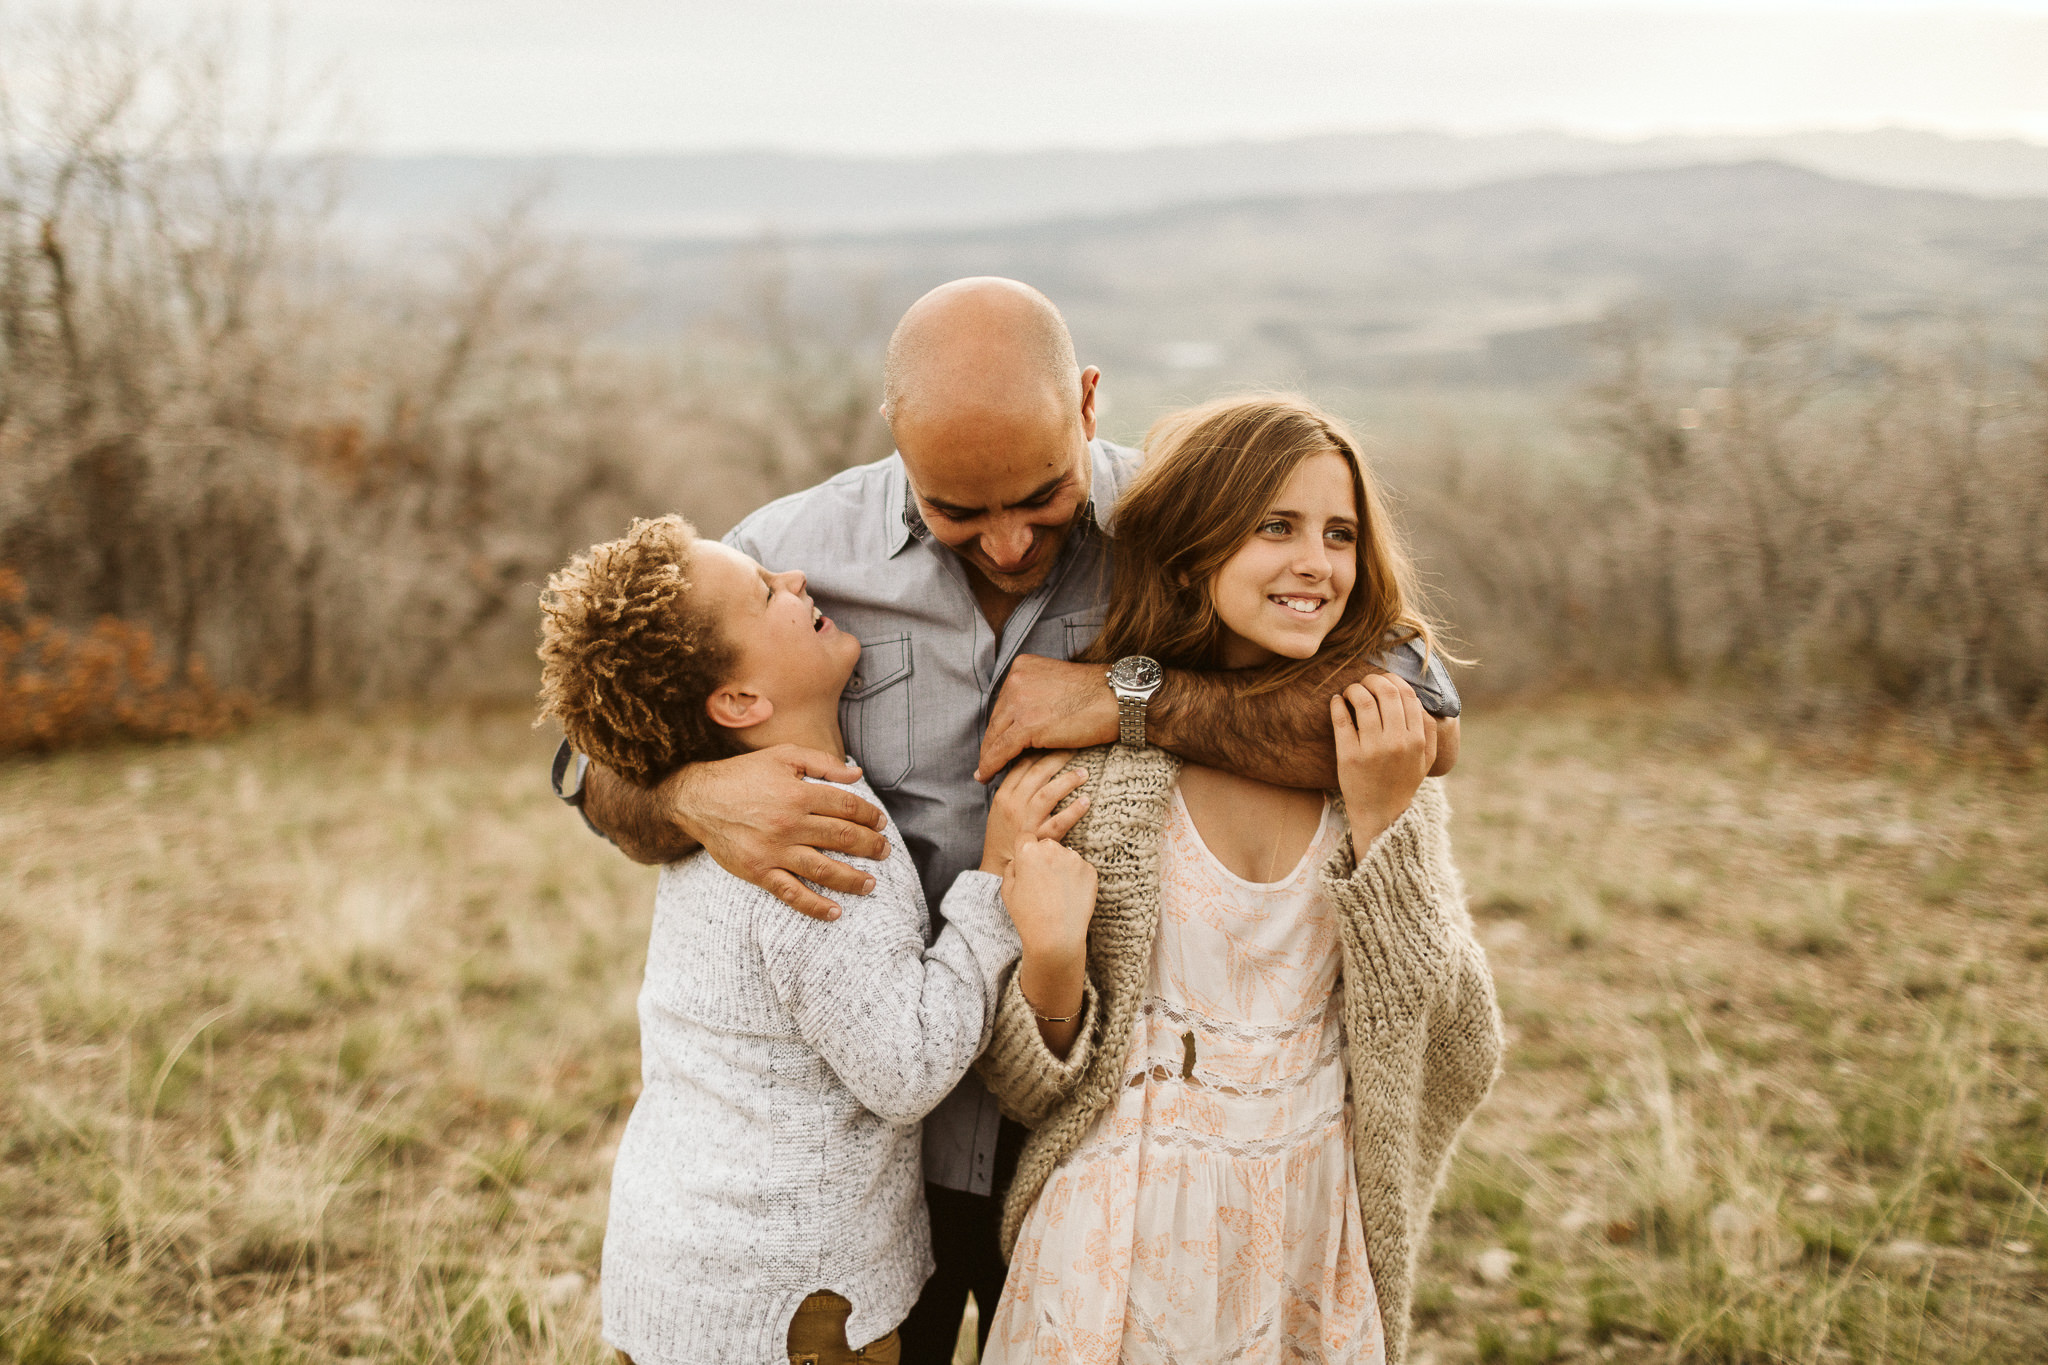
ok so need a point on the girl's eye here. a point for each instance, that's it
(1342, 535)
(1275, 527)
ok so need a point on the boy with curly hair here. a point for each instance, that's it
(767, 1198)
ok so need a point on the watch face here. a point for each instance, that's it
(1135, 671)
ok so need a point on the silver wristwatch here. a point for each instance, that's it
(1134, 679)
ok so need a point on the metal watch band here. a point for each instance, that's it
(1130, 720)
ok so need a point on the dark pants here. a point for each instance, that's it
(966, 1245)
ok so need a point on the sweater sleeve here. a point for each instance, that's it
(1426, 1035)
(897, 1022)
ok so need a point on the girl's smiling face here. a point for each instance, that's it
(1285, 588)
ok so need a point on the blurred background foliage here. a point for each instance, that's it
(319, 473)
(303, 464)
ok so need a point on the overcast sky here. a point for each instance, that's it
(914, 76)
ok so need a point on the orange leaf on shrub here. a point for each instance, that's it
(62, 688)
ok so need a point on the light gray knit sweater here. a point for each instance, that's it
(786, 1063)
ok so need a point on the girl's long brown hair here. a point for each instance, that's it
(1210, 476)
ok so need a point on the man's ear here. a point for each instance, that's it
(1090, 377)
(734, 707)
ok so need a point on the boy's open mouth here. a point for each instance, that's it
(817, 618)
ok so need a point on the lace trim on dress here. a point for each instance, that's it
(1156, 1008)
(1332, 1047)
(1317, 1129)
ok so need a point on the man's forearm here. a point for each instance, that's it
(1282, 737)
(637, 819)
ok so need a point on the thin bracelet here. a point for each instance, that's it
(1047, 1018)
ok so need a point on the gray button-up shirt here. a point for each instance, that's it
(930, 668)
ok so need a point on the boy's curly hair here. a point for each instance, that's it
(626, 664)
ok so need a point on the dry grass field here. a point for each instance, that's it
(317, 1042)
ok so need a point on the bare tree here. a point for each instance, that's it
(329, 480)
(1846, 524)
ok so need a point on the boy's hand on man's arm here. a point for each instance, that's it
(1023, 808)
(757, 818)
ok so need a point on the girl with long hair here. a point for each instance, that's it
(1245, 1074)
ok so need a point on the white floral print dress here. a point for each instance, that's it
(1211, 1214)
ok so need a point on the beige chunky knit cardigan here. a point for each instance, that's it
(1423, 1030)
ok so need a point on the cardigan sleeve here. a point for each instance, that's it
(1028, 1081)
(1404, 899)
(1417, 965)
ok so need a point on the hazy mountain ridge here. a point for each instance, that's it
(1494, 283)
(741, 194)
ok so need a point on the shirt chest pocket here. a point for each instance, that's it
(1063, 637)
(875, 712)
(1080, 632)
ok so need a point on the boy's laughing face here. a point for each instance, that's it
(784, 648)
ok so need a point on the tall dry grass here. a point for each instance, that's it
(1775, 1084)
(319, 1038)
(317, 1044)
(1838, 524)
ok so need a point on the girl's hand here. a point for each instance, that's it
(1386, 745)
(1051, 895)
(1023, 808)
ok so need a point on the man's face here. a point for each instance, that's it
(1002, 490)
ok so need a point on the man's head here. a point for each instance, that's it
(993, 417)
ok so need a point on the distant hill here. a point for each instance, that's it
(741, 194)
(1495, 283)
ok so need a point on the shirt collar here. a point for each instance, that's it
(905, 524)
(1106, 479)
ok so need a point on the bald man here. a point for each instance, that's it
(972, 565)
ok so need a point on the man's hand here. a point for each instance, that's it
(1047, 704)
(1386, 745)
(1023, 808)
(764, 824)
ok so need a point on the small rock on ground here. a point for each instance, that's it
(365, 1317)
(1905, 1251)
